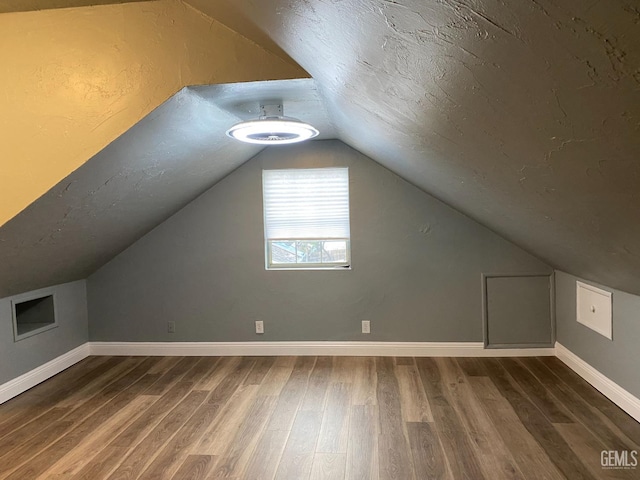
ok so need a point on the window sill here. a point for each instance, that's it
(306, 269)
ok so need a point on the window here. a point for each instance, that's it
(306, 218)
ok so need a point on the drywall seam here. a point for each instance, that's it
(38, 375)
(380, 349)
(614, 392)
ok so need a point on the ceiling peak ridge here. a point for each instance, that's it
(279, 52)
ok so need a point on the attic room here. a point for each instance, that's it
(442, 281)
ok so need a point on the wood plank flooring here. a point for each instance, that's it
(319, 418)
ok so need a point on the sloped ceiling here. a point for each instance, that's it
(523, 114)
(7, 6)
(232, 16)
(138, 181)
(75, 79)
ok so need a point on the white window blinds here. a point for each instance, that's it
(306, 203)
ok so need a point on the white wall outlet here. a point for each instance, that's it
(171, 327)
(259, 326)
(366, 326)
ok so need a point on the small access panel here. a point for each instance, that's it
(594, 309)
(33, 316)
(517, 311)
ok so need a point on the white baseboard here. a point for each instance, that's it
(398, 349)
(30, 379)
(38, 375)
(614, 392)
(618, 395)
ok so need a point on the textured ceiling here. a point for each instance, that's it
(228, 14)
(171, 156)
(73, 80)
(524, 114)
(7, 6)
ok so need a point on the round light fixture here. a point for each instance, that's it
(272, 128)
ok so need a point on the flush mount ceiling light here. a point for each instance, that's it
(272, 128)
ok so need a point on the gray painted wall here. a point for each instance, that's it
(519, 311)
(617, 358)
(139, 180)
(416, 262)
(20, 357)
(522, 114)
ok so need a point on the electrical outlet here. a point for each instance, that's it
(171, 327)
(259, 326)
(366, 326)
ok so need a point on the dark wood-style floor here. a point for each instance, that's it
(313, 418)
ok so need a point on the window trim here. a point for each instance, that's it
(269, 265)
(333, 266)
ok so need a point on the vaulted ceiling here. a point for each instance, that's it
(74, 79)
(155, 168)
(525, 115)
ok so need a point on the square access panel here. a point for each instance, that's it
(33, 315)
(594, 309)
(518, 311)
